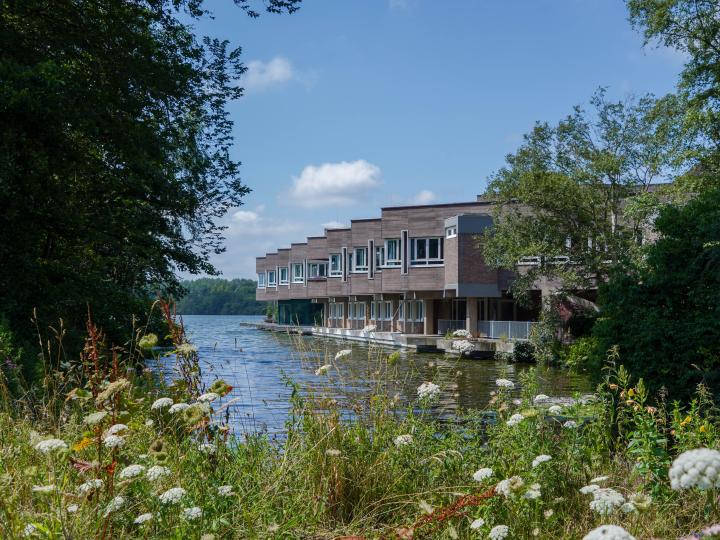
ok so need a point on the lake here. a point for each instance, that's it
(259, 364)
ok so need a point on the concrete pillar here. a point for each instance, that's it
(429, 317)
(471, 311)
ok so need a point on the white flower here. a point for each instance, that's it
(44, 489)
(115, 429)
(131, 471)
(95, 418)
(156, 472)
(482, 474)
(609, 532)
(72, 508)
(149, 422)
(161, 403)
(515, 419)
(598, 479)
(208, 397)
(50, 445)
(185, 349)
(499, 532)
(113, 441)
(90, 486)
(590, 488)
(463, 345)
(540, 459)
(225, 491)
(29, 529)
(698, 468)
(641, 501)
(479, 522)
(178, 407)
(172, 495)
(606, 501)
(548, 513)
(402, 440)
(428, 390)
(343, 354)
(532, 494)
(628, 508)
(333, 452)
(504, 383)
(555, 409)
(540, 398)
(114, 505)
(142, 518)
(570, 424)
(322, 370)
(508, 486)
(462, 333)
(192, 513)
(207, 448)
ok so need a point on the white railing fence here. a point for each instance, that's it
(450, 325)
(505, 329)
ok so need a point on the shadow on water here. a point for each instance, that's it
(258, 365)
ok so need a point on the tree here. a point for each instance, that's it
(114, 154)
(215, 296)
(576, 197)
(664, 314)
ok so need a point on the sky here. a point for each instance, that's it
(353, 105)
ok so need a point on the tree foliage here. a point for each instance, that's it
(215, 296)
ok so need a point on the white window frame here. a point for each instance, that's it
(379, 257)
(314, 271)
(451, 232)
(401, 310)
(427, 260)
(372, 311)
(281, 280)
(363, 267)
(356, 311)
(271, 278)
(387, 310)
(416, 310)
(261, 280)
(335, 257)
(295, 277)
(391, 263)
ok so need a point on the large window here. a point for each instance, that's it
(360, 259)
(356, 311)
(298, 272)
(336, 310)
(379, 257)
(426, 251)
(392, 252)
(271, 281)
(335, 265)
(283, 275)
(415, 310)
(261, 280)
(317, 270)
(386, 313)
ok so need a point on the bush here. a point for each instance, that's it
(523, 352)
(582, 356)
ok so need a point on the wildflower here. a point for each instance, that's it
(462, 346)
(598, 479)
(148, 341)
(172, 495)
(482, 474)
(111, 390)
(628, 508)
(508, 486)
(540, 398)
(208, 397)
(698, 468)
(606, 501)
(192, 513)
(207, 448)
(196, 413)
(322, 370)
(95, 418)
(540, 459)
(428, 390)
(504, 383)
(641, 501)
(178, 407)
(532, 494)
(343, 354)
(515, 419)
(186, 349)
(113, 441)
(332, 452)
(225, 491)
(499, 532)
(591, 488)
(476, 524)
(29, 529)
(114, 505)
(49, 446)
(115, 429)
(149, 422)
(44, 489)
(570, 424)
(143, 518)
(156, 472)
(461, 333)
(161, 403)
(402, 440)
(609, 532)
(131, 471)
(555, 409)
(90, 486)
(548, 513)
(72, 508)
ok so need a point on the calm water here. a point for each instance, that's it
(258, 365)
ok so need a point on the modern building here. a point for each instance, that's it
(415, 270)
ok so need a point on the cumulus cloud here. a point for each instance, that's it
(334, 184)
(423, 197)
(263, 75)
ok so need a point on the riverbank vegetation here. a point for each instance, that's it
(217, 296)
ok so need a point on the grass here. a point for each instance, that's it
(334, 476)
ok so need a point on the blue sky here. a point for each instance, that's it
(358, 104)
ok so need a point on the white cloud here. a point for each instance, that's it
(423, 197)
(262, 75)
(334, 184)
(334, 225)
(245, 216)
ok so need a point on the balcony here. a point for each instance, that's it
(505, 329)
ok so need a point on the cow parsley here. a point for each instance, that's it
(178, 407)
(161, 403)
(504, 383)
(114, 505)
(499, 532)
(192, 513)
(609, 532)
(515, 419)
(699, 468)
(482, 474)
(208, 397)
(606, 501)
(131, 471)
(428, 390)
(49, 446)
(540, 459)
(113, 441)
(90, 486)
(156, 472)
(402, 440)
(476, 524)
(143, 518)
(172, 495)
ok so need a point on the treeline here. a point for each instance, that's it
(217, 296)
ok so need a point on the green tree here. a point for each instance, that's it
(664, 313)
(582, 189)
(216, 296)
(114, 154)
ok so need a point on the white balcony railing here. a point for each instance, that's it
(505, 329)
(450, 325)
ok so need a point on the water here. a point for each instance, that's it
(258, 365)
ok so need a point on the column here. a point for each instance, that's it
(471, 311)
(429, 317)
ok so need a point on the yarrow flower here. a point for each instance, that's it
(533, 493)
(515, 419)
(114, 505)
(606, 501)
(540, 459)
(172, 495)
(225, 491)
(504, 383)
(208, 397)
(115, 429)
(570, 424)
(192, 513)
(482, 474)
(428, 390)
(156, 472)
(143, 518)
(131, 471)
(178, 407)
(343, 354)
(510, 485)
(161, 403)
(499, 532)
(699, 468)
(555, 409)
(476, 524)
(322, 370)
(402, 440)
(90, 486)
(113, 441)
(609, 532)
(95, 418)
(51, 445)
(590, 488)
(540, 398)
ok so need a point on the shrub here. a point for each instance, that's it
(523, 352)
(582, 356)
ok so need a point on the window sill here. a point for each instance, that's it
(322, 278)
(359, 271)
(429, 265)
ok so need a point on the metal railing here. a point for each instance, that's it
(505, 329)
(449, 325)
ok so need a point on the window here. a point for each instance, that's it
(336, 310)
(379, 257)
(283, 275)
(387, 311)
(451, 232)
(372, 311)
(317, 270)
(271, 282)
(356, 311)
(298, 273)
(361, 261)
(426, 251)
(335, 265)
(401, 311)
(261, 280)
(392, 252)
(416, 310)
